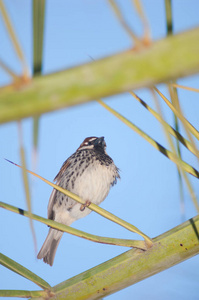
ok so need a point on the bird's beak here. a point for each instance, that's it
(100, 141)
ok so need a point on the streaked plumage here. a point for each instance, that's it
(89, 173)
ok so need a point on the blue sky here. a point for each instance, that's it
(147, 195)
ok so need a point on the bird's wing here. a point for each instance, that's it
(65, 165)
(51, 204)
(53, 194)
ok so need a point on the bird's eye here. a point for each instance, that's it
(89, 143)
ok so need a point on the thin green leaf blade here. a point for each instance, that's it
(38, 41)
(26, 183)
(38, 35)
(155, 144)
(93, 207)
(19, 269)
(25, 294)
(99, 239)
(171, 130)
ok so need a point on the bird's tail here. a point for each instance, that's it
(50, 245)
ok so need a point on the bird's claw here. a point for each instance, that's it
(86, 204)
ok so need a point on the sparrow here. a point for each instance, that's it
(88, 173)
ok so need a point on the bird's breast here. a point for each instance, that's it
(93, 182)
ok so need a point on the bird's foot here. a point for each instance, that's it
(86, 204)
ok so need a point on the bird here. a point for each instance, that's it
(89, 173)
